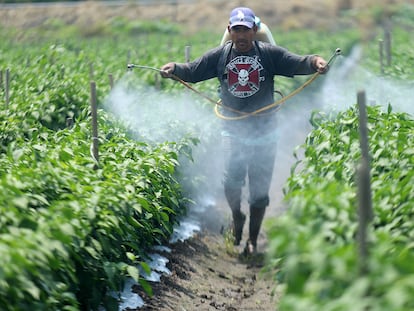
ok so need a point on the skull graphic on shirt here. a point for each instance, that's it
(244, 76)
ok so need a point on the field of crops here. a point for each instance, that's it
(74, 225)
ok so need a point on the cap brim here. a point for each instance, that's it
(241, 23)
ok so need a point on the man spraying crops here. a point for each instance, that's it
(246, 70)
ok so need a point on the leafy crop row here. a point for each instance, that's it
(71, 231)
(314, 243)
(313, 246)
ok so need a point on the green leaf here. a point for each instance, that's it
(130, 188)
(133, 272)
(92, 252)
(145, 267)
(137, 207)
(146, 286)
(32, 289)
(131, 256)
(21, 202)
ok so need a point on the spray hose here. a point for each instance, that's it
(242, 114)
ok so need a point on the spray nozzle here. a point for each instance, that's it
(130, 67)
(334, 55)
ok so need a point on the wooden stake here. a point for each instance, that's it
(387, 38)
(111, 80)
(7, 87)
(157, 81)
(187, 53)
(69, 122)
(94, 112)
(381, 55)
(364, 187)
(91, 71)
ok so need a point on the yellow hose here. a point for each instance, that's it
(265, 108)
(242, 113)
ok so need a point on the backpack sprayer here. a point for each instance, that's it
(242, 114)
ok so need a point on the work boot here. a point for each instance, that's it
(256, 218)
(233, 196)
(238, 222)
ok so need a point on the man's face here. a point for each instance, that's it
(242, 37)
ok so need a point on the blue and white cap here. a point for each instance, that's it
(242, 16)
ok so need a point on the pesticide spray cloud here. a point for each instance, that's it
(338, 92)
(347, 78)
(154, 113)
(154, 116)
(158, 116)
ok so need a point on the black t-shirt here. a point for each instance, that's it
(246, 81)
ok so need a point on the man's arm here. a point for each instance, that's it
(203, 68)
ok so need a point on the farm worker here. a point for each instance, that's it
(245, 69)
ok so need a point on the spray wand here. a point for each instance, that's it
(187, 85)
(242, 113)
(131, 66)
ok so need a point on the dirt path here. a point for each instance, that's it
(207, 272)
(206, 277)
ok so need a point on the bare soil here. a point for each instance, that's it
(209, 273)
(206, 277)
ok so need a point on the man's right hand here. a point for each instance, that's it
(167, 70)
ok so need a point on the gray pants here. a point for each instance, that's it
(251, 161)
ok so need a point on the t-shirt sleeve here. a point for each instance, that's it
(284, 63)
(203, 68)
